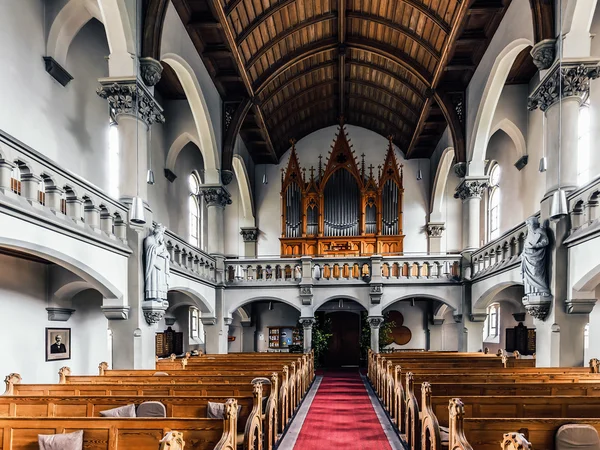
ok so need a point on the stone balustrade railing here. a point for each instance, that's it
(324, 270)
(584, 205)
(499, 254)
(33, 180)
(189, 259)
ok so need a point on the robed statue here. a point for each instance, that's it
(534, 264)
(156, 257)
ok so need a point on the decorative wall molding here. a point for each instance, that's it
(573, 77)
(249, 234)
(226, 176)
(56, 71)
(129, 96)
(151, 70)
(375, 293)
(169, 175)
(58, 314)
(471, 188)
(115, 312)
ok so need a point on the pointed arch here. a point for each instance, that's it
(178, 144)
(68, 22)
(120, 35)
(513, 131)
(241, 175)
(489, 101)
(439, 184)
(204, 127)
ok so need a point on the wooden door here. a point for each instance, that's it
(344, 346)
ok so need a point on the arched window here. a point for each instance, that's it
(194, 210)
(494, 204)
(15, 180)
(491, 326)
(583, 145)
(113, 160)
(194, 319)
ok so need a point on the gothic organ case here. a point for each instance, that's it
(343, 209)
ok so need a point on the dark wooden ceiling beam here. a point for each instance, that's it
(206, 22)
(218, 11)
(217, 51)
(288, 32)
(457, 28)
(283, 126)
(297, 77)
(389, 127)
(342, 56)
(393, 112)
(485, 7)
(386, 91)
(543, 15)
(154, 18)
(301, 54)
(398, 28)
(229, 137)
(290, 101)
(432, 15)
(260, 18)
(414, 89)
(228, 75)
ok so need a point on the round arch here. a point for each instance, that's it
(204, 127)
(68, 22)
(197, 300)
(487, 298)
(513, 131)
(244, 302)
(94, 279)
(420, 296)
(178, 144)
(489, 101)
(241, 175)
(71, 289)
(318, 303)
(439, 184)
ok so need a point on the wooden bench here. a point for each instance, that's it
(20, 433)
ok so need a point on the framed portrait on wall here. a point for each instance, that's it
(58, 344)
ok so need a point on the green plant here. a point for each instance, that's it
(321, 335)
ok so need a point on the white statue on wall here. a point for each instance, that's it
(157, 260)
(297, 273)
(534, 265)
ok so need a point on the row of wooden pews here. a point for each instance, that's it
(466, 401)
(252, 395)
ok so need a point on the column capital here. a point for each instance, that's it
(151, 70)
(307, 322)
(435, 229)
(471, 188)
(227, 320)
(375, 321)
(130, 96)
(215, 195)
(543, 53)
(154, 310)
(208, 321)
(249, 234)
(572, 76)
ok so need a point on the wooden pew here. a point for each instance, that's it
(20, 433)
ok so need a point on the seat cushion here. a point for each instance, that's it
(68, 441)
(121, 411)
(577, 436)
(151, 409)
(216, 410)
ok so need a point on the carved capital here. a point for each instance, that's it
(375, 321)
(59, 314)
(226, 176)
(215, 195)
(543, 53)
(571, 77)
(129, 96)
(538, 306)
(154, 311)
(151, 70)
(469, 189)
(307, 322)
(580, 305)
(435, 230)
(228, 320)
(249, 234)
(115, 312)
(460, 169)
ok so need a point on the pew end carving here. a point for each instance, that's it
(456, 436)
(412, 414)
(102, 368)
(430, 428)
(253, 431)
(173, 440)
(10, 380)
(595, 365)
(229, 439)
(63, 373)
(515, 441)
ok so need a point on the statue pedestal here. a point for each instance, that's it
(538, 306)
(154, 310)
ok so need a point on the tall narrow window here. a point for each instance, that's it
(194, 323)
(491, 326)
(194, 210)
(15, 180)
(583, 146)
(494, 204)
(113, 161)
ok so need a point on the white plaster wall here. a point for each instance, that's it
(281, 315)
(67, 124)
(450, 331)
(415, 319)
(234, 219)
(416, 193)
(23, 292)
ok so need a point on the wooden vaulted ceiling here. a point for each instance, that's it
(290, 67)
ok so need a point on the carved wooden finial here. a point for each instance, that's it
(63, 373)
(486, 351)
(173, 440)
(379, 171)
(293, 142)
(516, 354)
(504, 360)
(341, 119)
(515, 441)
(595, 365)
(10, 380)
(172, 356)
(102, 367)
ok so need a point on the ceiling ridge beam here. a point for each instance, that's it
(376, 117)
(286, 33)
(399, 28)
(457, 26)
(288, 101)
(292, 59)
(295, 78)
(341, 55)
(220, 14)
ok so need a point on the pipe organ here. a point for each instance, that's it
(341, 210)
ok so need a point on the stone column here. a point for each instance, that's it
(216, 197)
(217, 328)
(470, 191)
(434, 234)
(436, 343)
(6, 168)
(134, 109)
(250, 236)
(474, 327)
(307, 324)
(375, 323)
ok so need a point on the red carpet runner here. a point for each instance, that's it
(341, 417)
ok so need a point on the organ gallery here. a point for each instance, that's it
(342, 207)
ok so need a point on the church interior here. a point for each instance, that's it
(300, 224)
